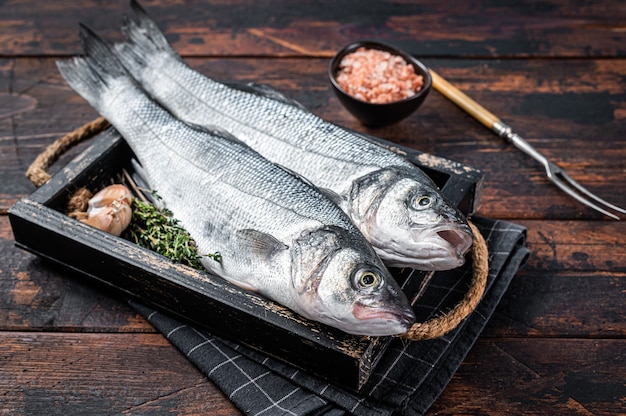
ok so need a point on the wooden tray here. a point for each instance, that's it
(40, 226)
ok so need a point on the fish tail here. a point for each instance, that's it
(91, 74)
(144, 40)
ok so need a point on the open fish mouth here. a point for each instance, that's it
(459, 238)
(442, 247)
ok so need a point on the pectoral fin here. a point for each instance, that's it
(260, 244)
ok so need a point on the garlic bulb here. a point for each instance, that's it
(109, 210)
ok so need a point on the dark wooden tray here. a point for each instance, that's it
(40, 226)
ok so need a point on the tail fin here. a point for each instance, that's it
(144, 39)
(92, 74)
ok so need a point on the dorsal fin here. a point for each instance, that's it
(299, 177)
(216, 131)
(333, 196)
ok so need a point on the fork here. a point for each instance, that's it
(555, 173)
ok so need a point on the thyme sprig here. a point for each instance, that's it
(155, 228)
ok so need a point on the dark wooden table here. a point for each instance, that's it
(553, 70)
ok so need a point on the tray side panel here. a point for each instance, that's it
(205, 300)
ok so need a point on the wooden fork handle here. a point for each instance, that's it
(458, 97)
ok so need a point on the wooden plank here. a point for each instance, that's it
(538, 376)
(142, 373)
(272, 27)
(79, 374)
(585, 137)
(573, 284)
(570, 304)
(42, 110)
(40, 296)
(567, 304)
(576, 246)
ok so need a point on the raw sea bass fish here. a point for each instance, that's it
(277, 235)
(395, 205)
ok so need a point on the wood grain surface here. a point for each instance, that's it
(555, 71)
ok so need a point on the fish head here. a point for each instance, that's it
(410, 223)
(343, 283)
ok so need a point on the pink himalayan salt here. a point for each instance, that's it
(377, 76)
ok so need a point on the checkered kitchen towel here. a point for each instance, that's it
(406, 381)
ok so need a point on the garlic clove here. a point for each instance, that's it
(109, 210)
(107, 196)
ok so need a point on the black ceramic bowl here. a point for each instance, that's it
(379, 115)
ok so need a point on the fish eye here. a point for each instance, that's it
(422, 202)
(368, 279)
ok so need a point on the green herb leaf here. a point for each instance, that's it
(157, 230)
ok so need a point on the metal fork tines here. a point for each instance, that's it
(492, 122)
(557, 174)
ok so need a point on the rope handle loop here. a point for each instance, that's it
(433, 328)
(443, 324)
(36, 172)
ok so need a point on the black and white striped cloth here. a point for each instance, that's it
(407, 380)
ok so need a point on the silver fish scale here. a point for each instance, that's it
(181, 161)
(332, 160)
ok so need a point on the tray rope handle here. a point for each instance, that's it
(36, 172)
(433, 328)
(440, 325)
